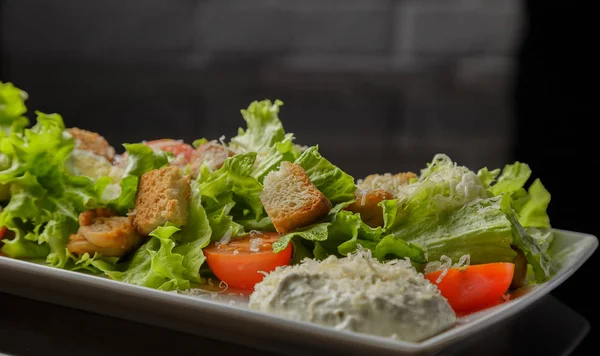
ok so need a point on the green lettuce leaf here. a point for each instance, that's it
(513, 177)
(391, 247)
(172, 258)
(12, 108)
(335, 184)
(534, 243)
(140, 159)
(266, 137)
(264, 128)
(344, 234)
(270, 160)
(154, 264)
(263, 224)
(481, 230)
(230, 194)
(96, 264)
(531, 208)
(45, 200)
(487, 177)
(316, 232)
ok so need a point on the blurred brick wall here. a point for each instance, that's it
(380, 85)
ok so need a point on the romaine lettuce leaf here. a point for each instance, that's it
(337, 185)
(481, 230)
(534, 243)
(389, 246)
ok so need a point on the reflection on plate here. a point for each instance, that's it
(212, 315)
(532, 332)
(511, 337)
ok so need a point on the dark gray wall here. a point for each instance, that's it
(381, 85)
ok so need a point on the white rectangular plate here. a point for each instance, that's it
(225, 316)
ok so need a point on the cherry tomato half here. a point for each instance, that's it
(177, 147)
(476, 287)
(239, 262)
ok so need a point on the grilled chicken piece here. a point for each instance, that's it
(102, 232)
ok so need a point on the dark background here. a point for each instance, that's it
(380, 85)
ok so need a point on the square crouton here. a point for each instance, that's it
(163, 195)
(291, 200)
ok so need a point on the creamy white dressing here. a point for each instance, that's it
(86, 163)
(357, 293)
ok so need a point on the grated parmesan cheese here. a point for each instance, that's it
(255, 244)
(445, 263)
(363, 199)
(226, 237)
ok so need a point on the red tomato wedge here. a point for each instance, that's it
(2, 231)
(476, 287)
(239, 262)
(177, 147)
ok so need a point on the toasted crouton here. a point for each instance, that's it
(212, 154)
(163, 195)
(366, 205)
(387, 181)
(291, 200)
(93, 142)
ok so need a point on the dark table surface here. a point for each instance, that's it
(28, 327)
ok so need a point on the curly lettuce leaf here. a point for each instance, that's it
(220, 220)
(12, 108)
(172, 258)
(230, 194)
(96, 264)
(264, 128)
(531, 207)
(270, 160)
(154, 264)
(487, 177)
(45, 200)
(513, 177)
(335, 184)
(345, 231)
